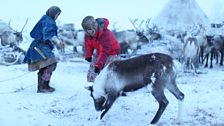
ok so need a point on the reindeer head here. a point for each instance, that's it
(18, 35)
(99, 102)
(103, 91)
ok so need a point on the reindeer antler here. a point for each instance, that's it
(24, 25)
(10, 26)
(134, 24)
(147, 23)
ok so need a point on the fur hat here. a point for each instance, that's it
(89, 23)
(53, 11)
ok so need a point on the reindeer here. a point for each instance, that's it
(191, 53)
(140, 32)
(9, 36)
(153, 32)
(215, 45)
(132, 74)
(79, 42)
(10, 52)
(127, 40)
(67, 33)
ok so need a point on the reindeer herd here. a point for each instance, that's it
(192, 48)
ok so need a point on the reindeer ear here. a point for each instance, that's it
(89, 88)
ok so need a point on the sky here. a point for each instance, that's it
(117, 11)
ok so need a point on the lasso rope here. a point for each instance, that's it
(13, 78)
(18, 89)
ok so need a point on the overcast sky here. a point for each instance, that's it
(117, 11)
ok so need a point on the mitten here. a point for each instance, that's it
(97, 70)
(89, 59)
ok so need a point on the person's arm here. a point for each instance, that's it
(104, 51)
(89, 49)
(50, 34)
(57, 42)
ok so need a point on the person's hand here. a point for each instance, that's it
(97, 70)
(59, 43)
(89, 59)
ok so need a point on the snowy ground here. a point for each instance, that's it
(71, 104)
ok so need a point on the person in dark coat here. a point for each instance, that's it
(99, 38)
(40, 55)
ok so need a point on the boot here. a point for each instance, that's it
(43, 86)
(48, 87)
(39, 85)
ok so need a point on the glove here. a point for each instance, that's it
(97, 70)
(89, 59)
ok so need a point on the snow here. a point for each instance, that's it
(71, 104)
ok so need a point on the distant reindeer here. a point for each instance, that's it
(9, 36)
(132, 74)
(191, 54)
(67, 33)
(153, 32)
(140, 32)
(127, 40)
(216, 46)
(79, 42)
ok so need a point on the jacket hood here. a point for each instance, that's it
(102, 23)
(53, 11)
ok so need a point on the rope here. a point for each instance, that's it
(13, 78)
(18, 90)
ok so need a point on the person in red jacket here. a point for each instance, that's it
(100, 44)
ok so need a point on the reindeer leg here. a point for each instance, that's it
(211, 65)
(112, 96)
(206, 62)
(158, 93)
(221, 59)
(194, 65)
(172, 87)
(103, 113)
(163, 102)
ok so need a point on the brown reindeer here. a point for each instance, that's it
(132, 74)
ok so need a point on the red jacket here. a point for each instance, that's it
(103, 41)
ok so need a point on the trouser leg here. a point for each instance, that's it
(91, 75)
(44, 76)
